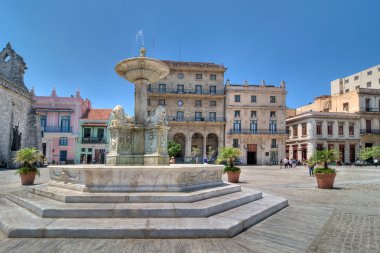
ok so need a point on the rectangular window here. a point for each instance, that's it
(87, 132)
(83, 150)
(43, 122)
(235, 143)
(62, 155)
(198, 76)
(212, 103)
(356, 78)
(273, 99)
(304, 129)
(148, 101)
(357, 87)
(161, 102)
(295, 131)
(198, 116)
(272, 127)
(272, 114)
(253, 99)
(253, 126)
(198, 89)
(162, 87)
(369, 84)
(65, 124)
(351, 129)
(330, 128)
(237, 126)
(213, 77)
(346, 107)
(180, 88)
(237, 114)
(212, 116)
(369, 73)
(237, 98)
(347, 81)
(253, 114)
(274, 143)
(63, 141)
(100, 133)
(198, 102)
(148, 112)
(319, 128)
(212, 89)
(340, 128)
(180, 115)
(149, 87)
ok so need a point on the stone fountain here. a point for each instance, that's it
(137, 194)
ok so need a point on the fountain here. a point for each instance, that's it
(137, 194)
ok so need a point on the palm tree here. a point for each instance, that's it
(27, 157)
(228, 154)
(325, 157)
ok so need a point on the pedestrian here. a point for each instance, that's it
(281, 164)
(294, 163)
(285, 163)
(205, 160)
(172, 160)
(311, 165)
(375, 161)
(290, 163)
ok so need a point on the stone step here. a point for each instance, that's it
(18, 222)
(49, 208)
(71, 196)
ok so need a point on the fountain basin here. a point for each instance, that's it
(105, 178)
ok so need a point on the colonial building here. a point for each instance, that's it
(19, 126)
(193, 94)
(59, 117)
(255, 121)
(314, 130)
(93, 136)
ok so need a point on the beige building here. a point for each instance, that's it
(193, 94)
(369, 79)
(315, 130)
(255, 121)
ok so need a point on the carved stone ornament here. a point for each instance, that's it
(159, 117)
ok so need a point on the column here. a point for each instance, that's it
(346, 153)
(204, 151)
(188, 148)
(324, 129)
(141, 95)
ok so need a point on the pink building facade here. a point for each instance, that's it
(60, 125)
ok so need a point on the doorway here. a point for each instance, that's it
(251, 154)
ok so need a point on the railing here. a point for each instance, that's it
(369, 109)
(258, 131)
(94, 140)
(57, 129)
(186, 91)
(369, 131)
(191, 119)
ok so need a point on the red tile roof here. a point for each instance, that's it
(97, 114)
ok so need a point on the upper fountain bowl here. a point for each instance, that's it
(142, 69)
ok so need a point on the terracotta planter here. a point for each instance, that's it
(233, 177)
(28, 178)
(325, 181)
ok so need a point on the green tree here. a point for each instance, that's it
(211, 152)
(228, 154)
(372, 152)
(174, 148)
(27, 158)
(325, 157)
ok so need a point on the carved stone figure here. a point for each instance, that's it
(119, 118)
(16, 141)
(159, 117)
(125, 143)
(113, 143)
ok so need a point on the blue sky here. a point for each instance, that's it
(308, 43)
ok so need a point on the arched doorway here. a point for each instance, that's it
(197, 144)
(212, 145)
(180, 139)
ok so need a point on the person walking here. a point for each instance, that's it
(375, 162)
(310, 165)
(285, 163)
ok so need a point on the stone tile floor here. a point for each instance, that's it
(345, 219)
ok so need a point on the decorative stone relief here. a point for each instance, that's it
(65, 176)
(113, 144)
(150, 142)
(125, 142)
(204, 175)
(159, 117)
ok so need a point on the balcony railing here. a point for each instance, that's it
(57, 129)
(258, 131)
(369, 109)
(369, 131)
(186, 91)
(191, 119)
(94, 140)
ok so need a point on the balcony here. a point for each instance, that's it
(369, 131)
(57, 129)
(186, 91)
(195, 119)
(94, 140)
(369, 109)
(258, 131)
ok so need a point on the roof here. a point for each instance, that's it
(198, 65)
(97, 114)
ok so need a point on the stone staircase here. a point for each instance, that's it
(223, 211)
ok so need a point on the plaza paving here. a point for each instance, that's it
(346, 219)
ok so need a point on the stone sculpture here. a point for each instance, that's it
(119, 118)
(159, 117)
(16, 142)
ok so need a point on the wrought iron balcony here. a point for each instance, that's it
(94, 140)
(369, 109)
(57, 129)
(191, 119)
(258, 131)
(186, 91)
(369, 131)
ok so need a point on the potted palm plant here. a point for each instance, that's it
(228, 155)
(27, 158)
(325, 175)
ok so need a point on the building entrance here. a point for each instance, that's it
(251, 154)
